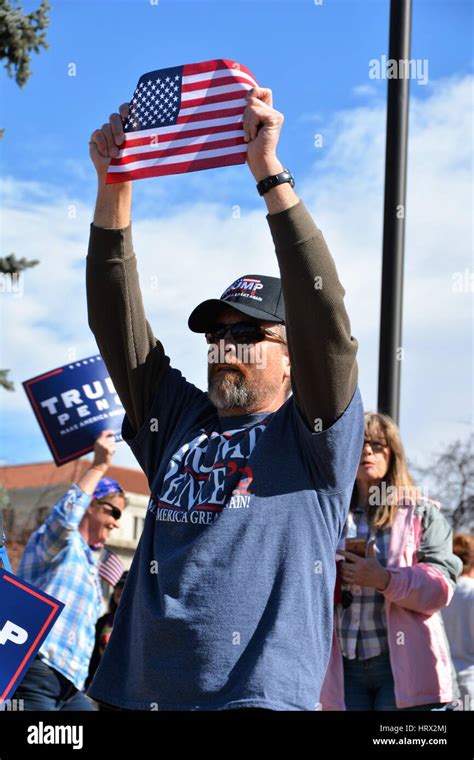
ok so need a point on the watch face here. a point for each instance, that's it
(277, 179)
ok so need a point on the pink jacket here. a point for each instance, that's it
(423, 573)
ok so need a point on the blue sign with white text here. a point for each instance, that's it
(73, 404)
(26, 617)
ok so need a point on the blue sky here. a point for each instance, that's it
(312, 56)
(316, 60)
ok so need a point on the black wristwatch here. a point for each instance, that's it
(276, 179)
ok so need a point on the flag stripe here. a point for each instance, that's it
(179, 168)
(110, 577)
(211, 114)
(208, 102)
(199, 68)
(194, 147)
(205, 81)
(110, 567)
(211, 105)
(167, 133)
(216, 138)
(145, 135)
(180, 158)
(232, 91)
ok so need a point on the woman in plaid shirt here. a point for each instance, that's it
(389, 649)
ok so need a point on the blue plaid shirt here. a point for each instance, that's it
(59, 561)
(362, 627)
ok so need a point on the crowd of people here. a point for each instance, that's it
(61, 558)
(372, 666)
(288, 560)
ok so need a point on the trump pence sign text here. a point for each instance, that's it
(26, 617)
(73, 404)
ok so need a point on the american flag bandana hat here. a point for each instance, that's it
(106, 486)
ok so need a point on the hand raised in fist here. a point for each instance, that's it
(104, 449)
(105, 142)
(262, 126)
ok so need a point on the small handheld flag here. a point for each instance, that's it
(110, 567)
(184, 119)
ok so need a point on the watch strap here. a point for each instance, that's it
(275, 179)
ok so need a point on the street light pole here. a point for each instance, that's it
(394, 212)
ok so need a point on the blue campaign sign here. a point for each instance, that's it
(26, 617)
(73, 404)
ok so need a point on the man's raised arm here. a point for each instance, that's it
(134, 358)
(322, 350)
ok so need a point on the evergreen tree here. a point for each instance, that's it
(10, 265)
(20, 34)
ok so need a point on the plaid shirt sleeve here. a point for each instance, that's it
(64, 519)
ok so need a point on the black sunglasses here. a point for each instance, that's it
(376, 446)
(243, 332)
(114, 511)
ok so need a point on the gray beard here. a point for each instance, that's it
(231, 394)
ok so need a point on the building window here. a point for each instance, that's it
(8, 520)
(41, 515)
(137, 527)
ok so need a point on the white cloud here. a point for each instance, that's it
(347, 199)
(365, 90)
(192, 252)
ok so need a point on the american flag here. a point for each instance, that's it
(110, 567)
(183, 119)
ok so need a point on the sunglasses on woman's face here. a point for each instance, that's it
(243, 332)
(376, 446)
(115, 512)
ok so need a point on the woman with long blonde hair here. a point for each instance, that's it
(389, 648)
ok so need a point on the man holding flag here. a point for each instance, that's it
(229, 600)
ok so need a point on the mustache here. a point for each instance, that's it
(234, 366)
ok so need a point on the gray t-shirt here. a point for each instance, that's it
(229, 600)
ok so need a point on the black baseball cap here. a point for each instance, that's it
(254, 295)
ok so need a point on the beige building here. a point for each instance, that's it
(30, 490)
